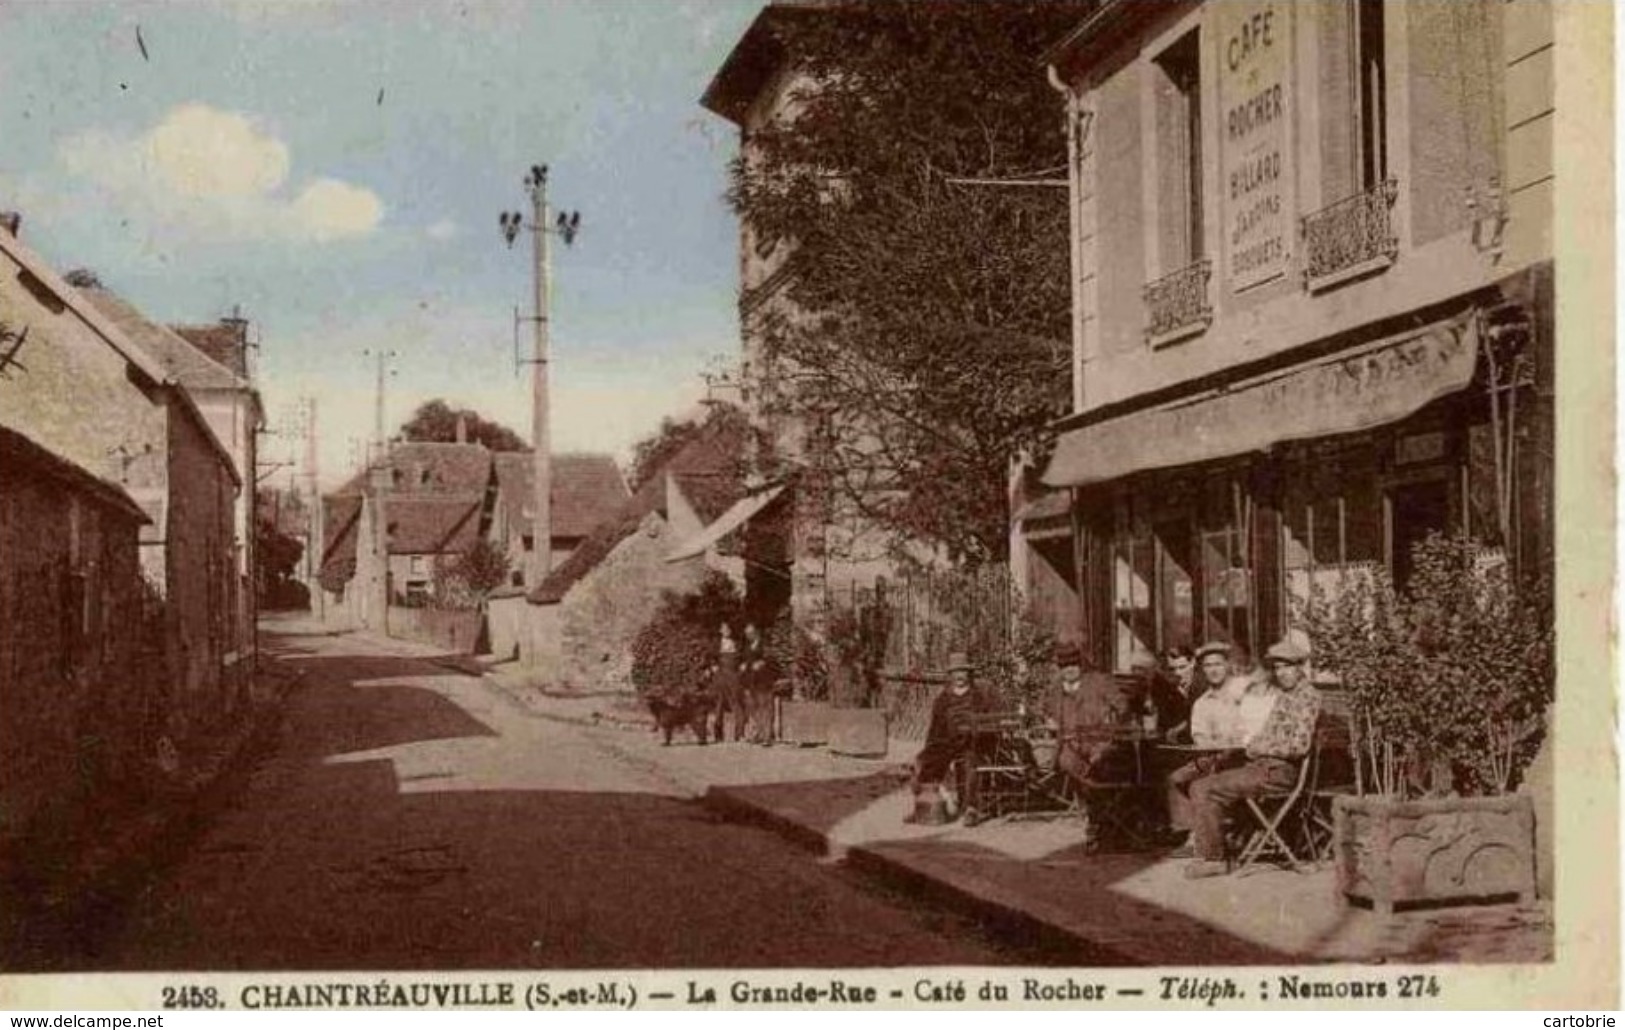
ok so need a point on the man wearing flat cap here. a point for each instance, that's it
(1271, 757)
(948, 736)
(1215, 722)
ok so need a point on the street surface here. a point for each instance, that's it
(409, 816)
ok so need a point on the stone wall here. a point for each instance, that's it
(456, 632)
(602, 614)
(76, 680)
(201, 575)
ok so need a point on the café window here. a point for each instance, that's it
(1181, 568)
(1226, 573)
(1332, 530)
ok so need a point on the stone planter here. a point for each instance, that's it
(857, 731)
(1439, 850)
(804, 722)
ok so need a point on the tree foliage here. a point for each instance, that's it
(926, 323)
(436, 422)
(278, 551)
(650, 454)
(464, 582)
(1449, 679)
(675, 648)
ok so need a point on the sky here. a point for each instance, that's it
(337, 171)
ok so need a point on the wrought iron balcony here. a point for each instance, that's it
(1351, 237)
(1176, 305)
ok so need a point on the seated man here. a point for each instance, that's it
(1215, 722)
(1079, 706)
(1270, 761)
(948, 737)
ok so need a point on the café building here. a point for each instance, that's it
(1312, 309)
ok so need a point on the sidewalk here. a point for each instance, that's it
(1035, 878)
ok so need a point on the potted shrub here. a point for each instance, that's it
(1448, 682)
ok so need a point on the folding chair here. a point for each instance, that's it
(1333, 775)
(1270, 813)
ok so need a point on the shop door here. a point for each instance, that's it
(1414, 511)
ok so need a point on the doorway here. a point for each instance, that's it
(1414, 510)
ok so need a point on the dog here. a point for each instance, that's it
(674, 709)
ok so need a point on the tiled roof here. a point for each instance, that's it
(339, 532)
(439, 468)
(711, 493)
(716, 451)
(190, 366)
(222, 342)
(586, 490)
(432, 525)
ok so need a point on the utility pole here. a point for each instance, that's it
(313, 522)
(539, 561)
(377, 449)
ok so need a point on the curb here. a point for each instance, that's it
(1004, 919)
(725, 802)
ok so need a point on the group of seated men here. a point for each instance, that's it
(1248, 734)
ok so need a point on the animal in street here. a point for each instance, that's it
(675, 709)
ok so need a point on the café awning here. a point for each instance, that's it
(743, 510)
(1373, 386)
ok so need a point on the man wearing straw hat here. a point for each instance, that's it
(949, 737)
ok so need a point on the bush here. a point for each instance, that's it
(1449, 680)
(676, 647)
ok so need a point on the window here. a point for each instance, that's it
(1177, 84)
(1372, 72)
(418, 565)
(1226, 571)
(1354, 80)
(1332, 530)
(1153, 582)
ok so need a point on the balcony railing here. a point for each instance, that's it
(1176, 305)
(1351, 237)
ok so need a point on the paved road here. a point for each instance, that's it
(410, 817)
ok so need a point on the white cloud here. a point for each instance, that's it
(202, 152)
(330, 209)
(216, 173)
(442, 230)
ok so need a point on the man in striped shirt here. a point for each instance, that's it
(1272, 755)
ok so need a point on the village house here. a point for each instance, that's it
(116, 561)
(581, 620)
(231, 407)
(436, 500)
(1312, 272)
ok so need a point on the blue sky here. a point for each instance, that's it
(247, 159)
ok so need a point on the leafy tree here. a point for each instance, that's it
(464, 582)
(653, 451)
(925, 331)
(436, 422)
(675, 648)
(278, 553)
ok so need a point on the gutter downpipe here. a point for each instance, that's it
(1074, 192)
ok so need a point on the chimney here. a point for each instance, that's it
(462, 428)
(12, 222)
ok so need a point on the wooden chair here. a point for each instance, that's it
(1270, 817)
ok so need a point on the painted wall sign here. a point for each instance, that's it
(1255, 101)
